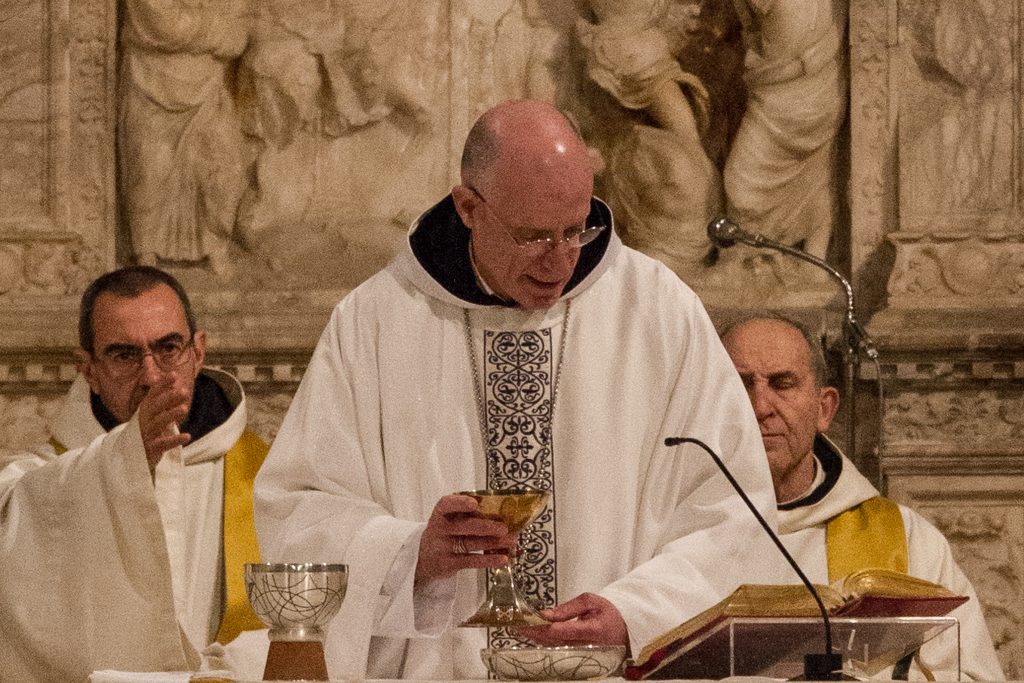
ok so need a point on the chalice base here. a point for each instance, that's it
(511, 611)
(295, 661)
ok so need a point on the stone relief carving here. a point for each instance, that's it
(272, 141)
(956, 111)
(779, 171)
(943, 272)
(182, 163)
(316, 80)
(986, 545)
(54, 196)
(660, 179)
(958, 244)
(962, 416)
(511, 50)
(47, 266)
(870, 130)
(90, 181)
(23, 115)
(308, 133)
(23, 421)
(664, 176)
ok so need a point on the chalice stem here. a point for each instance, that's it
(505, 606)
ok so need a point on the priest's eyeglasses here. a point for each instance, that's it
(168, 353)
(575, 237)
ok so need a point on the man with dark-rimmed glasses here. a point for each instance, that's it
(515, 342)
(124, 539)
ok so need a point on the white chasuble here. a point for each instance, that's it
(387, 421)
(126, 571)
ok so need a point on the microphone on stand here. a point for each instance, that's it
(825, 666)
(724, 233)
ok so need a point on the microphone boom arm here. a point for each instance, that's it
(857, 337)
(816, 667)
(724, 233)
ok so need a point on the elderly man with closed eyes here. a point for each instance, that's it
(832, 519)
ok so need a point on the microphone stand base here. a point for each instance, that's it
(823, 667)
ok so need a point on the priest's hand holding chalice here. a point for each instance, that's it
(479, 530)
(505, 605)
(584, 637)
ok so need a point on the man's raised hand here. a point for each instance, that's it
(163, 408)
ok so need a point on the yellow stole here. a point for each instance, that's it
(870, 535)
(241, 463)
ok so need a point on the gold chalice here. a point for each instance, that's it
(505, 606)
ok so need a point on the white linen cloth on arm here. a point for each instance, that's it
(385, 423)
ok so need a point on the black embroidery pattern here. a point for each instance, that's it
(518, 384)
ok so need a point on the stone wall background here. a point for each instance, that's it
(272, 153)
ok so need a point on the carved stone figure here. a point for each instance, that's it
(956, 123)
(662, 183)
(510, 53)
(779, 178)
(301, 83)
(778, 171)
(319, 82)
(182, 155)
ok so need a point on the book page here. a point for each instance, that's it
(888, 583)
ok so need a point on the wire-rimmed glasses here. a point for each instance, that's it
(126, 359)
(575, 237)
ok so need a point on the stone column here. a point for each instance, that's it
(936, 240)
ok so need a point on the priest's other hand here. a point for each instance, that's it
(161, 410)
(457, 538)
(587, 619)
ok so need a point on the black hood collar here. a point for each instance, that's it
(832, 465)
(440, 243)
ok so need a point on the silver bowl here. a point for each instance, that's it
(563, 663)
(296, 600)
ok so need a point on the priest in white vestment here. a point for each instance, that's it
(122, 541)
(831, 519)
(515, 342)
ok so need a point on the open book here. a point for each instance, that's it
(865, 593)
